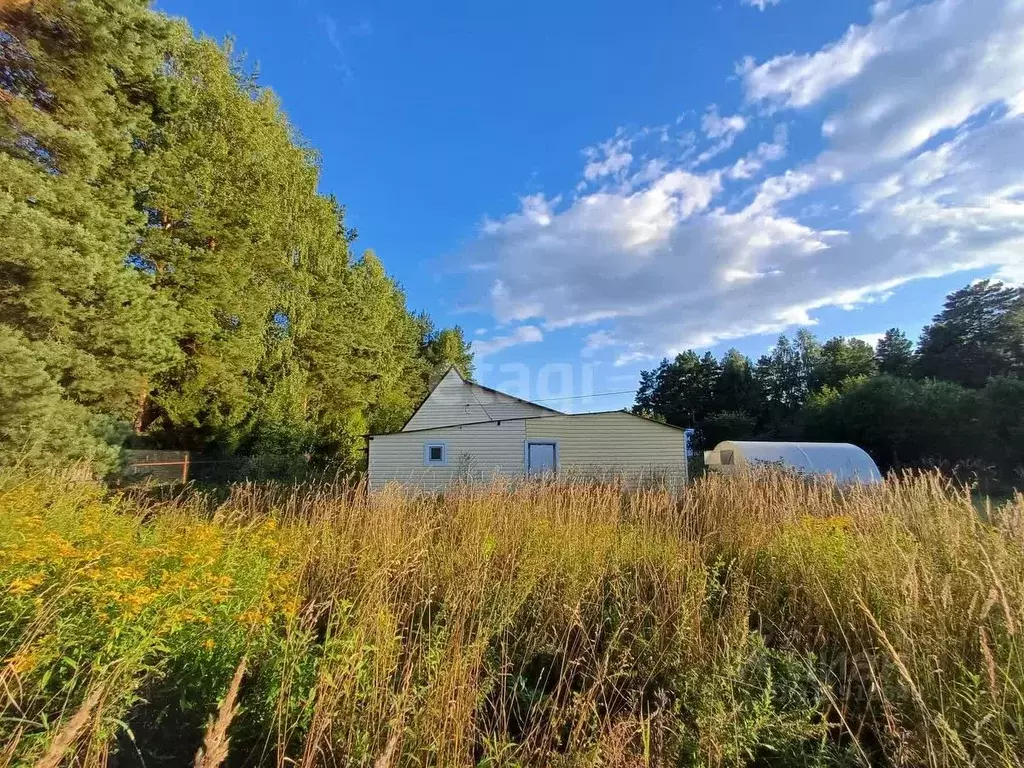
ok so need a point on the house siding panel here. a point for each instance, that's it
(455, 401)
(613, 443)
(476, 451)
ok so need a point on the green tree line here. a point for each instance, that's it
(953, 400)
(169, 271)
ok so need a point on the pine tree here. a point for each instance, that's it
(76, 80)
(220, 246)
(784, 378)
(647, 401)
(809, 351)
(442, 349)
(894, 354)
(681, 392)
(780, 376)
(735, 390)
(978, 335)
(390, 374)
(39, 425)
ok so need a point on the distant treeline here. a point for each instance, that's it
(956, 400)
(168, 268)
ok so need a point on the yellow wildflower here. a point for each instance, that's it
(23, 661)
(26, 584)
(251, 617)
(126, 574)
(137, 599)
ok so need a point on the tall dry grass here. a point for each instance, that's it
(752, 621)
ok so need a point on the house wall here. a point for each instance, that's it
(612, 443)
(603, 444)
(480, 451)
(455, 401)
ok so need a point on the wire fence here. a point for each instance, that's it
(186, 467)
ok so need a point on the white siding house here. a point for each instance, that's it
(466, 431)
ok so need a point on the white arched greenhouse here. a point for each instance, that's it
(846, 463)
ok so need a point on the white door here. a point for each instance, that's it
(541, 459)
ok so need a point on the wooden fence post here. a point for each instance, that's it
(184, 468)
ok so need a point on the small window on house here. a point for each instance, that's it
(435, 453)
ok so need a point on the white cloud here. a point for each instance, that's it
(610, 158)
(635, 355)
(330, 25)
(789, 185)
(921, 176)
(799, 80)
(722, 130)
(767, 152)
(906, 76)
(526, 334)
(597, 341)
(716, 127)
(337, 39)
(760, 4)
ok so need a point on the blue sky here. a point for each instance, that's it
(585, 189)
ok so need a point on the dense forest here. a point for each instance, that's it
(169, 272)
(955, 401)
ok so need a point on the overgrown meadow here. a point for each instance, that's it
(763, 621)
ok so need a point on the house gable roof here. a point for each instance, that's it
(487, 391)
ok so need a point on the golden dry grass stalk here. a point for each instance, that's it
(215, 743)
(72, 731)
